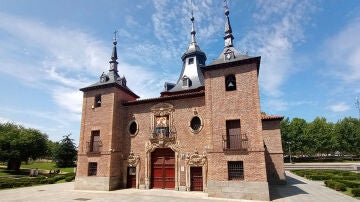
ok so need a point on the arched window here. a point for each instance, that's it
(186, 82)
(230, 82)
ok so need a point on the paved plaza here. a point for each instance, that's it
(297, 190)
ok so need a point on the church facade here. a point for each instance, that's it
(204, 133)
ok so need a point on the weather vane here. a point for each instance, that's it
(115, 35)
(226, 4)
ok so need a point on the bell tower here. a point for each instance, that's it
(236, 141)
(101, 137)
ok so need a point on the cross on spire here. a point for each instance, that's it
(115, 35)
(226, 4)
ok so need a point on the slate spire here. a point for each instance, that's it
(113, 62)
(228, 31)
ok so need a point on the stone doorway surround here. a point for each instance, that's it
(196, 160)
(149, 148)
(133, 161)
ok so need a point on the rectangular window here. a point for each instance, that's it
(92, 169)
(185, 82)
(233, 134)
(97, 101)
(95, 142)
(191, 61)
(236, 170)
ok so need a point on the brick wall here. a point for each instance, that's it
(105, 119)
(243, 104)
(274, 151)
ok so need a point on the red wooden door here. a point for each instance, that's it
(196, 179)
(131, 177)
(163, 168)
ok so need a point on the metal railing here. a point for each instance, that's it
(94, 147)
(235, 142)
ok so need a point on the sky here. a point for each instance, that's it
(310, 53)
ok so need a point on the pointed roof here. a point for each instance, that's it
(228, 31)
(193, 46)
(193, 59)
(112, 78)
(229, 53)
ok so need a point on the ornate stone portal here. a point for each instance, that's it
(157, 140)
(134, 161)
(196, 160)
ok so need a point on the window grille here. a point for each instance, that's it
(236, 170)
(92, 169)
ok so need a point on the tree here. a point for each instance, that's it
(347, 133)
(18, 144)
(322, 133)
(65, 153)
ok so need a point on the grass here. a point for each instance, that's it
(349, 179)
(47, 166)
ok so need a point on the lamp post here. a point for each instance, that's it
(289, 143)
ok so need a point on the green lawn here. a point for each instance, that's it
(343, 181)
(46, 166)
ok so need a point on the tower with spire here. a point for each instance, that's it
(101, 132)
(191, 76)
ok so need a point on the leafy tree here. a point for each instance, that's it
(52, 147)
(65, 152)
(18, 144)
(323, 136)
(347, 133)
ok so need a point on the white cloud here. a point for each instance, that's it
(339, 107)
(278, 26)
(172, 25)
(59, 61)
(342, 52)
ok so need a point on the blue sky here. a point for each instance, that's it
(49, 49)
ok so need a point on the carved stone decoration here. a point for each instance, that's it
(158, 112)
(162, 107)
(196, 159)
(133, 160)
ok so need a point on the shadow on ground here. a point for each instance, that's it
(286, 190)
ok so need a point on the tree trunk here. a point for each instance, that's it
(13, 164)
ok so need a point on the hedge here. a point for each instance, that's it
(349, 183)
(29, 181)
(338, 186)
(356, 192)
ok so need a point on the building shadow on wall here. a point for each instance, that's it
(286, 190)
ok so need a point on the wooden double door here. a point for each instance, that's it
(163, 168)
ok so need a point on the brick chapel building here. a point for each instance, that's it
(204, 133)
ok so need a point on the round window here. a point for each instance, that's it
(133, 127)
(195, 124)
